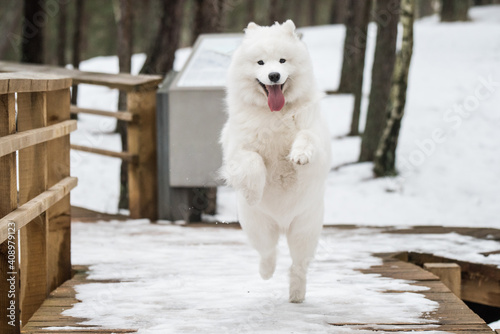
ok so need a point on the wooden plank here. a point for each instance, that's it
(126, 156)
(476, 232)
(9, 277)
(50, 313)
(25, 213)
(121, 115)
(26, 82)
(32, 114)
(448, 273)
(143, 181)
(402, 270)
(28, 138)
(85, 215)
(93, 330)
(452, 312)
(480, 282)
(481, 289)
(399, 328)
(59, 215)
(120, 81)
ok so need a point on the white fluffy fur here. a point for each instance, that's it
(277, 161)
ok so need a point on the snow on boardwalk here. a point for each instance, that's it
(171, 279)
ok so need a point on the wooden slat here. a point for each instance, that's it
(24, 82)
(448, 273)
(32, 114)
(121, 115)
(8, 203)
(121, 155)
(120, 81)
(59, 215)
(452, 316)
(419, 328)
(141, 139)
(50, 313)
(480, 282)
(25, 213)
(25, 139)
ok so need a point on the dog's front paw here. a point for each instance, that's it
(301, 157)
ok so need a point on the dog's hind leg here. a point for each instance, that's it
(263, 234)
(302, 238)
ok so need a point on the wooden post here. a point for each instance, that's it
(448, 273)
(142, 176)
(10, 323)
(59, 215)
(32, 114)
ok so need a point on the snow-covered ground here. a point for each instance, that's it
(449, 149)
(205, 280)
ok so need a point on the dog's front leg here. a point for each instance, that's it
(304, 147)
(246, 172)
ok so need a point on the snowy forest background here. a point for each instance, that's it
(446, 171)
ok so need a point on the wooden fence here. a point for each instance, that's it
(35, 184)
(141, 129)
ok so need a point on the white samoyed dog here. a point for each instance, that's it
(276, 147)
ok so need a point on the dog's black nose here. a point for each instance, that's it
(274, 76)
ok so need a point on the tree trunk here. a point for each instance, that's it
(160, 59)
(385, 157)
(354, 44)
(297, 10)
(34, 22)
(61, 35)
(250, 17)
(313, 12)
(77, 45)
(209, 17)
(124, 20)
(9, 25)
(274, 11)
(383, 66)
(338, 11)
(362, 10)
(454, 10)
(423, 8)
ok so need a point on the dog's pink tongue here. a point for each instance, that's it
(275, 99)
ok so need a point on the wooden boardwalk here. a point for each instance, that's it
(452, 316)
(61, 299)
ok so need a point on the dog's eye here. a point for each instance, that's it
(282, 60)
(260, 62)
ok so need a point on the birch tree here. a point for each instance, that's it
(387, 17)
(385, 156)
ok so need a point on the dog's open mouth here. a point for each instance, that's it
(275, 97)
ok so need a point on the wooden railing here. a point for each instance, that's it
(141, 129)
(34, 192)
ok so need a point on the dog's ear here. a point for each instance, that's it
(252, 26)
(289, 26)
